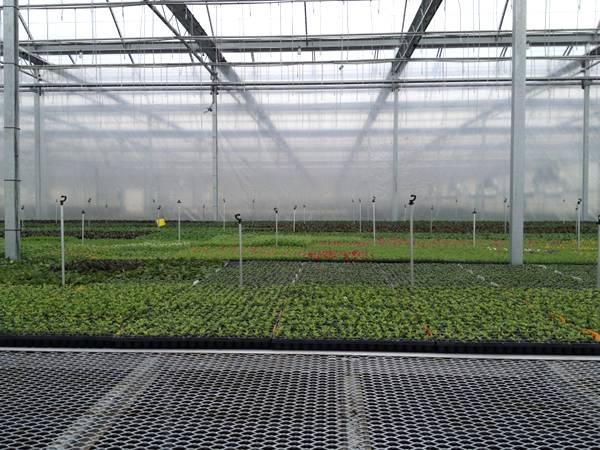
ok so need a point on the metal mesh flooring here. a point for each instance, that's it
(276, 401)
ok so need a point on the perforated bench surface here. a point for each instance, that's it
(294, 401)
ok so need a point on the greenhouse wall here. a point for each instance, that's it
(130, 151)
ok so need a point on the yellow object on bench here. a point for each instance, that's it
(161, 223)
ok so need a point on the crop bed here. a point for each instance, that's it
(309, 300)
(136, 281)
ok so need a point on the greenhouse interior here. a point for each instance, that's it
(300, 224)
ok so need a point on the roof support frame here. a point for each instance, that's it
(209, 47)
(421, 21)
(112, 14)
(257, 44)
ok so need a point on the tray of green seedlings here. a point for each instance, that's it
(393, 274)
(104, 271)
(534, 275)
(475, 315)
(344, 273)
(177, 310)
(317, 311)
(579, 309)
(256, 273)
(488, 315)
(433, 275)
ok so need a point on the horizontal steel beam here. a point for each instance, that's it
(133, 3)
(109, 88)
(310, 43)
(354, 84)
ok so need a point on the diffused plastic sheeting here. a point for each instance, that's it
(156, 400)
(124, 149)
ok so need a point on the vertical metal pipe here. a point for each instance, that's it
(238, 217)
(63, 199)
(178, 220)
(12, 236)
(578, 222)
(294, 219)
(37, 142)
(518, 133)
(359, 215)
(395, 205)
(62, 245)
(276, 226)
(505, 213)
(89, 214)
(598, 256)
(456, 210)
(304, 214)
(215, 142)
(431, 220)
(374, 235)
(223, 213)
(411, 204)
(474, 225)
(585, 176)
(82, 226)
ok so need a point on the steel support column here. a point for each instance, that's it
(37, 141)
(585, 166)
(215, 145)
(518, 131)
(395, 206)
(12, 237)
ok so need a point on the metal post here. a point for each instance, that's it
(179, 221)
(82, 226)
(223, 213)
(22, 218)
(203, 212)
(359, 216)
(373, 202)
(294, 219)
(37, 142)
(431, 220)
(56, 211)
(253, 206)
(411, 203)
(89, 214)
(353, 212)
(63, 199)
(276, 226)
(585, 177)
(238, 217)
(304, 214)
(395, 158)
(474, 225)
(456, 209)
(598, 257)
(405, 212)
(505, 213)
(518, 133)
(578, 222)
(12, 236)
(215, 139)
